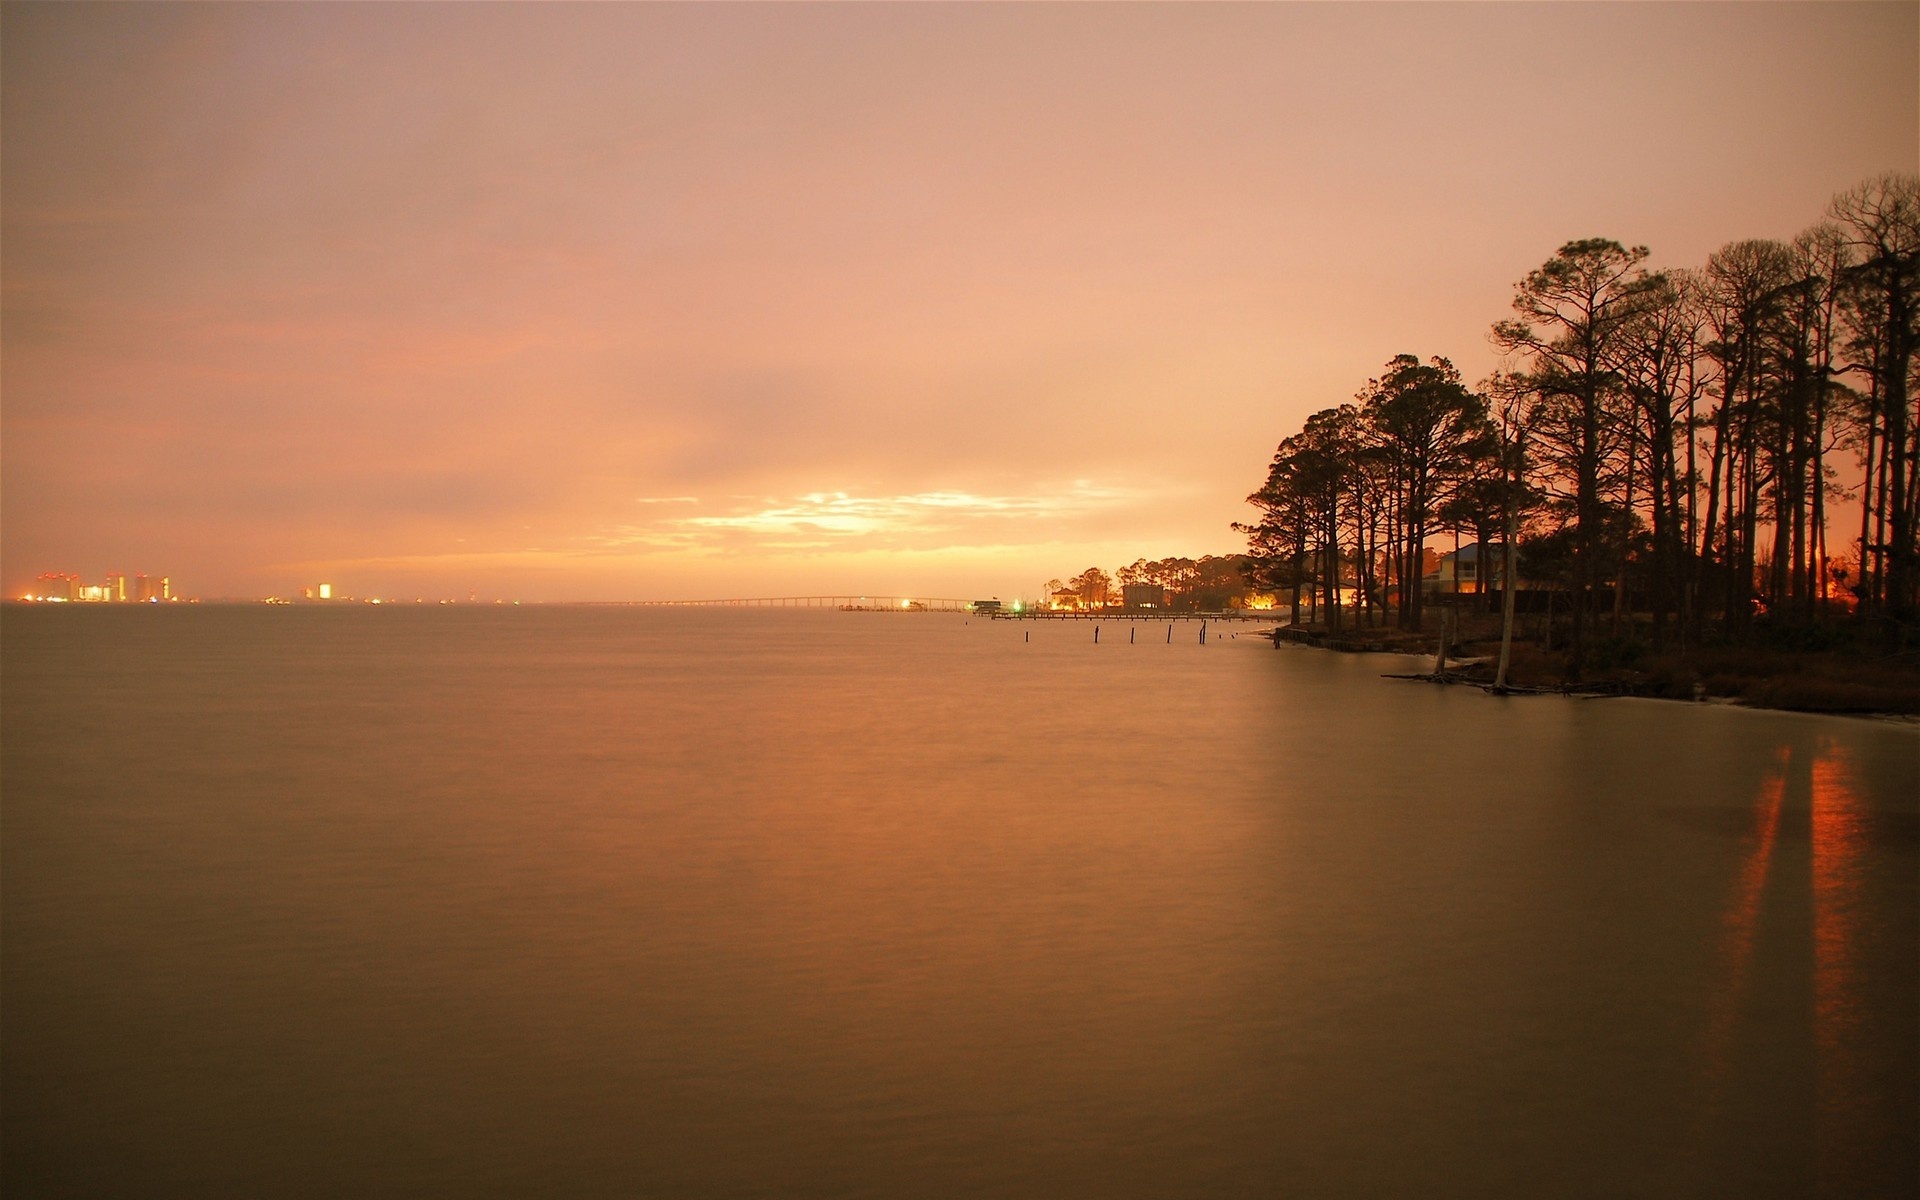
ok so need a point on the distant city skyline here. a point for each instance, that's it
(661, 301)
(114, 588)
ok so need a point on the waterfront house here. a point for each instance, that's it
(1481, 570)
(1472, 569)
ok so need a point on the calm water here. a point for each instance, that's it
(608, 902)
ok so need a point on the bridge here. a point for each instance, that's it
(856, 603)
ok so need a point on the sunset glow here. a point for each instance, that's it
(653, 301)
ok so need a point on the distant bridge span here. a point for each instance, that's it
(864, 603)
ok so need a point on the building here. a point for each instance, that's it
(1143, 595)
(66, 586)
(58, 585)
(985, 606)
(1474, 570)
(1461, 571)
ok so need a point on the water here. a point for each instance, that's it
(616, 902)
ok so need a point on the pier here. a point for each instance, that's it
(953, 604)
(1133, 614)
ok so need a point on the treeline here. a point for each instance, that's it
(1208, 583)
(1661, 442)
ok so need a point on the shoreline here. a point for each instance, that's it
(1816, 682)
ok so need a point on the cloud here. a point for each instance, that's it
(931, 520)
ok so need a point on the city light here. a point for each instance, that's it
(59, 587)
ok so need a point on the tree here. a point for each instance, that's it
(1668, 433)
(1743, 288)
(1433, 432)
(1277, 542)
(1094, 586)
(1571, 313)
(1510, 405)
(1220, 581)
(1304, 502)
(1662, 340)
(1880, 224)
(1807, 386)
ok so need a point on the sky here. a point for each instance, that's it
(660, 301)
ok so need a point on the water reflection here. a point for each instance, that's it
(1837, 829)
(1742, 918)
(1798, 895)
(613, 903)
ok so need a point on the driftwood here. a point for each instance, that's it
(1591, 691)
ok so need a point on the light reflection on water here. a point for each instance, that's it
(1743, 921)
(617, 902)
(1807, 880)
(1843, 1015)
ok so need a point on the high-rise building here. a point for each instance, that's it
(64, 585)
(58, 585)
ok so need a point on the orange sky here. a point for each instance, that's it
(556, 301)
